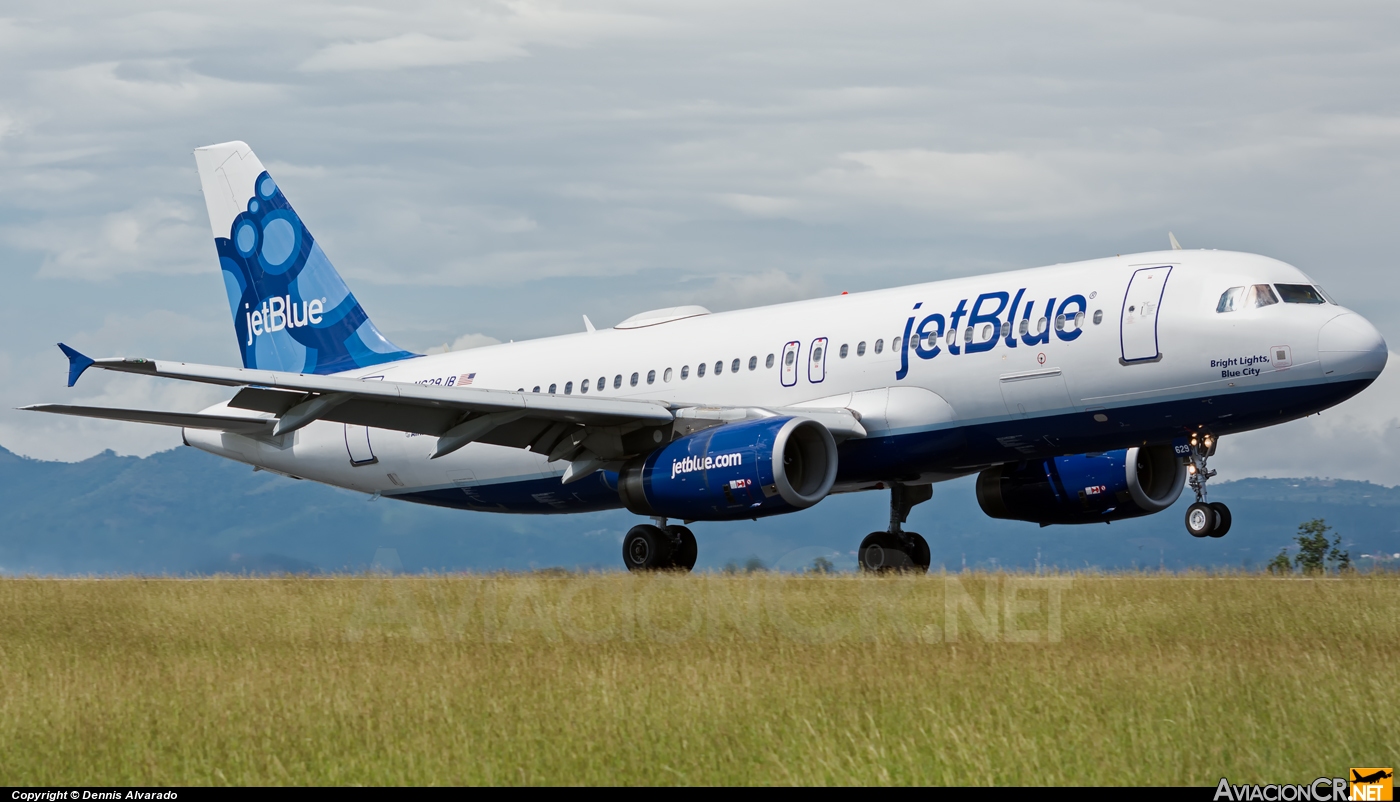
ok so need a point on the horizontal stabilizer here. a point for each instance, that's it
(188, 420)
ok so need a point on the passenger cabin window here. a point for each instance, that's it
(769, 363)
(667, 376)
(583, 388)
(1299, 294)
(734, 366)
(651, 377)
(700, 371)
(685, 372)
(860, 348)
(602, 383)
(789, 358)
(879, 346)
(617, 382)
(845, 349)
(1098, 316)
(536, 390)
(753, 363)
(553, 388)
(568, 388)
(719, 367)
(634, 379)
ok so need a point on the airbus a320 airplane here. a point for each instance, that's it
(1079, 393)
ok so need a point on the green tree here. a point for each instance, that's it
(1280, 565)
(1315, 553)
(822, 565)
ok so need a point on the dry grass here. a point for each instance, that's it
(702, 679)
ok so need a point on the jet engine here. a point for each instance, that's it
(1084, 488)
(749, 469)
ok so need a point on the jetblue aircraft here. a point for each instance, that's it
(1078, 393)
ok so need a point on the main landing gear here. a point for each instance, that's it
(897, 550)
(659, 548)
(1204, 519)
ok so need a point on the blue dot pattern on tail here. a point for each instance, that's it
(291, 310)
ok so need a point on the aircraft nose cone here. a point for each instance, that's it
(1349, 347)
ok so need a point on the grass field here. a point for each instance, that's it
(957, 679)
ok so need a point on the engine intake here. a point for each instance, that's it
(749, 469)
(1085, 488)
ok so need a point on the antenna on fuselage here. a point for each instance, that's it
(1176, 246)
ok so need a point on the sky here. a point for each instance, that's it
(488, 171)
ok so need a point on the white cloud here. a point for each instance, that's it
(759, 205)
(464, 342)
(1003, 187)
(409, 50)
(155, 236)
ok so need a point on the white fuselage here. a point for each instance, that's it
(1093, 381)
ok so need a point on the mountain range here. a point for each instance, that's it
(183, 512)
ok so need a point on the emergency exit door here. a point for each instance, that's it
(1142, 304)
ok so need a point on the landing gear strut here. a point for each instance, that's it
(898, 550)
(1204, 519)
(659, 547)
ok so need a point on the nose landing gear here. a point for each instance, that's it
(1204, 519)
(897, 550)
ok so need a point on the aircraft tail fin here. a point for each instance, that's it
(291, 309)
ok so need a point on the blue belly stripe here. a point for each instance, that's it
(949, 450)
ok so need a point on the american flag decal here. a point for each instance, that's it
(465, 378)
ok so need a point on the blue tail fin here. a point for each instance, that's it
(291, 310)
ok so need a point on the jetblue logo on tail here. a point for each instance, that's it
(291, 309)
(283, 313)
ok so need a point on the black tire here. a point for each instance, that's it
(882, 553)
(1222, 519)
(1200, 519)
(685, 548)
(646, 548)
(918, 552)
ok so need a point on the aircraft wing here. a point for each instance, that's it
(589, 432)
(188, 420)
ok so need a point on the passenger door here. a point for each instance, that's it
(790, 354)
(816, 365)
(1137, 326)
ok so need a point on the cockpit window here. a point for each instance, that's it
(1237, 298)
(1300, 294)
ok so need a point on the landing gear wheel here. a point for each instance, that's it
(646, 548)
(1200, 519)
(1222, 519)
(879, 552)
(882, 553)
(685, 550)
(917, 549)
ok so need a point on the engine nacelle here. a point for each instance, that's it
(1086, 488)
(739, 470)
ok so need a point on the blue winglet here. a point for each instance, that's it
(77, 363)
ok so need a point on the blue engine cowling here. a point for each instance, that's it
(739, 470)
(1085, 488)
